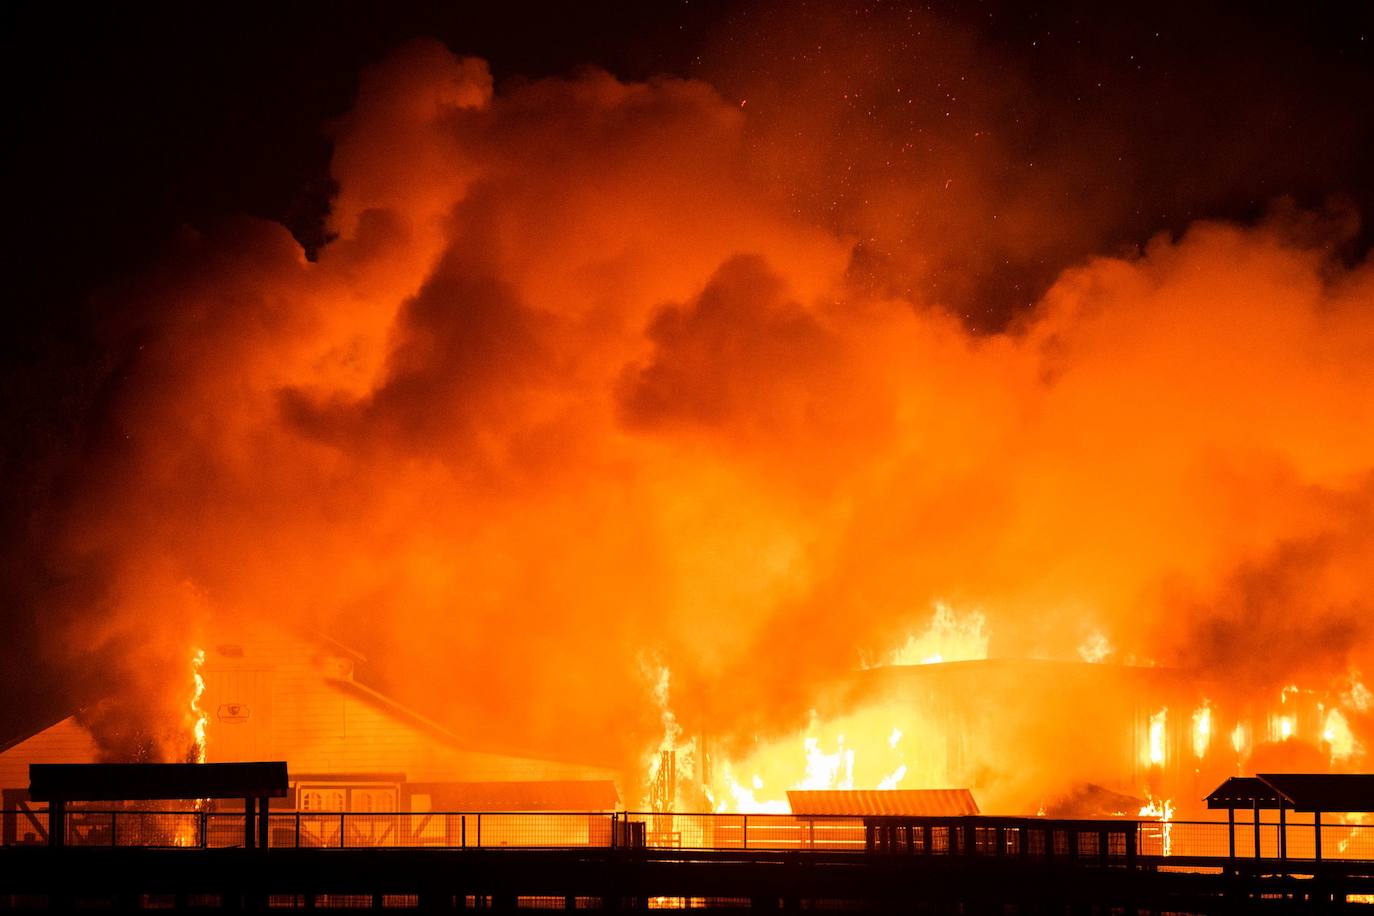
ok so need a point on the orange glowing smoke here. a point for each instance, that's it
(579, 383)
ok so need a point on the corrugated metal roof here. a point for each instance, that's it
(895, 802)
(1337, 792)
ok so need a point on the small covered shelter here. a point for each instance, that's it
(882, 802)
(890, 816)
(1313, 793)
(255, 783)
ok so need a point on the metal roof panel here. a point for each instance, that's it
(883, 802)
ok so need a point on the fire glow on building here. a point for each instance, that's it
(613, 436)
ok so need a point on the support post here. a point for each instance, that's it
(248, 833)
(1317, 832)
(57, 822)
(263, 822)
(1231, 830)
(1257, 830)
(1283, 832)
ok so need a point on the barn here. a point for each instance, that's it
(274, 694)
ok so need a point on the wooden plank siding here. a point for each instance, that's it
(275, 695)
(66, 742)
(303, 707)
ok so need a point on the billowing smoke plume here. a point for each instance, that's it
(578, 381)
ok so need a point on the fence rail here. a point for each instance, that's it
(763, 832)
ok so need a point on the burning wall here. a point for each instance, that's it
(577, 382)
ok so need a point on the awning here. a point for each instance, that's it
(1245, 792)
(1339, 793)
(140, 781)
(1336, 792)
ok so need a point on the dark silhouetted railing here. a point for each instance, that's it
(1105, 842)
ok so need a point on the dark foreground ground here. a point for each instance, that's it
(433, 880)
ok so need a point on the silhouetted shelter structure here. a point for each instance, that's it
(1314, 793)
(255, 783)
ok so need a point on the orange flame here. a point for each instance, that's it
(199, 716)
(1163, 809)
(1202, 729)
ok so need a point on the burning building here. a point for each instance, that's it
(1089, 737)
(595, 369)
(264, 693)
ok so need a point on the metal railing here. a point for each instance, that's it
(724, 832)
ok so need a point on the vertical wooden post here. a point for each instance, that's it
(1283, 831)
(248, 823)
(263, 821)
(1231, 830)
(57, 822)
(1257, 830)
(1317, 832)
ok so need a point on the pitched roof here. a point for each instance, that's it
(1244, 792)
(1091, 800)
(893, 802)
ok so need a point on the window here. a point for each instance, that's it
(373, 799)
(321, 798)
